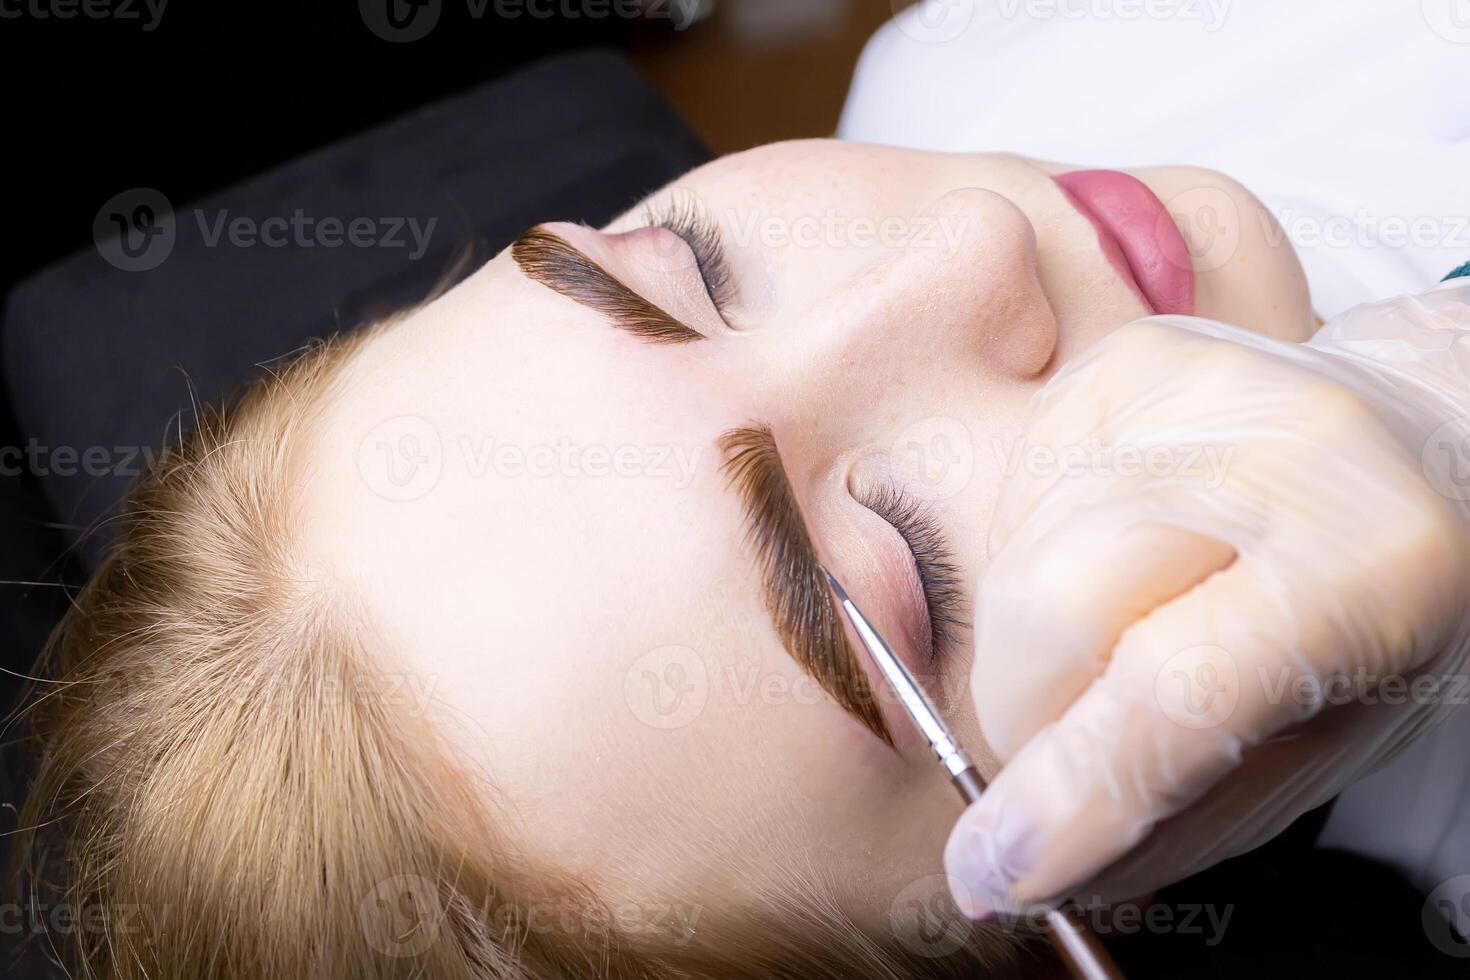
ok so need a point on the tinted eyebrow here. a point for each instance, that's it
(795, 593)
(552, 261)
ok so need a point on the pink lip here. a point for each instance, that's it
(1137, 235)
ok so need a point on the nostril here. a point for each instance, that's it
(1025, 332)
(991, 272)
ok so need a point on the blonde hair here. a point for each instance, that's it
(225, 790)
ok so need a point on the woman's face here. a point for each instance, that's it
(535, 492)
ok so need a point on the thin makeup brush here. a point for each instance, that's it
(1079, 949)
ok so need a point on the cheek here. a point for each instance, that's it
(888, 852)
(957, 454)
(1247, 271)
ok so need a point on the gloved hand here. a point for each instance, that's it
(1230, 577)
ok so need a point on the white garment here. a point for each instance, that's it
(1350, 119)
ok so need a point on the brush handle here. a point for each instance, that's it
(1083, 953)
(969, 783)
(1080, 949)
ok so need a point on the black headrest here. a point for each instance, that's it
(101, 348)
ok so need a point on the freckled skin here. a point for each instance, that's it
(539, 605)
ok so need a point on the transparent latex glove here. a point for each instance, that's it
(1228, 578)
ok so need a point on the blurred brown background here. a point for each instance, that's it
(755, 71)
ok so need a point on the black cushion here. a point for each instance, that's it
(97, 359)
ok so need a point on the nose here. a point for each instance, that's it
(963, 291)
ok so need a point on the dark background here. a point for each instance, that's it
(222, 89)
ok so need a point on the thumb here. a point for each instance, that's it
(1168, 717)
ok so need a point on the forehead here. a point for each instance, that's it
(535, 522)
(804, 174)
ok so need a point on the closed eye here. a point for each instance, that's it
(933, 560)
(683, 215)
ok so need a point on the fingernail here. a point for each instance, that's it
(977, 879)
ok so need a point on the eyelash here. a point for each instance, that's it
(688, 219)
(938, 573)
